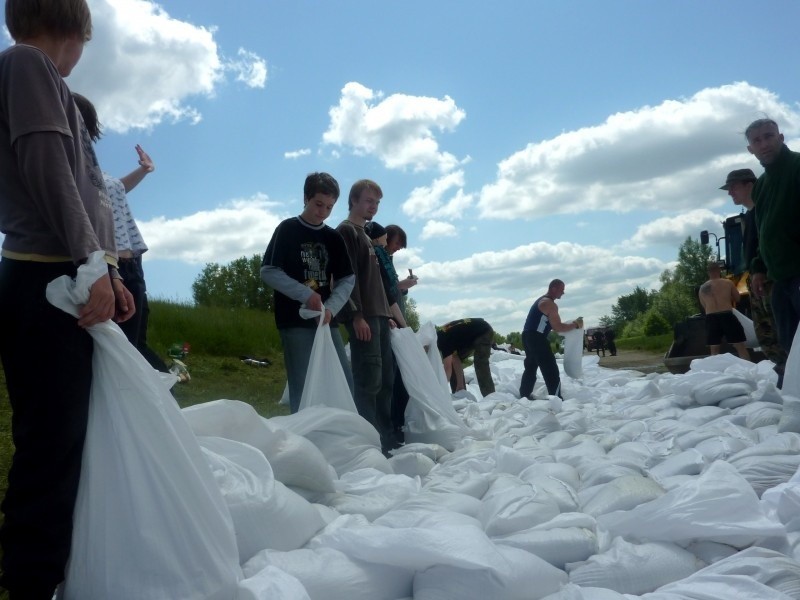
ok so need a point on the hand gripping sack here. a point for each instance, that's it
(150, 522)
(326, 384)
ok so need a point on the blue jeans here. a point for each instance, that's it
(373, 377)
(297, 344)
(786, 309)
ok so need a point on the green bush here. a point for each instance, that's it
(655, 324)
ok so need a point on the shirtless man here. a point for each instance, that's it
(718, 297)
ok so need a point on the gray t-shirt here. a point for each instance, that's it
(53, 203)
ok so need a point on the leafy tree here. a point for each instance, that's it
(606, 321)
(655, 324)
(675, 302)
(235, 285)
(515, 339)
(629, 306)
(693, 259)
(412, 316)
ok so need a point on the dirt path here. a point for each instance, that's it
(646, 362)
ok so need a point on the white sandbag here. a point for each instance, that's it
(561, 471)
(718, 506)
(556, 546)
(417, 541)
(371, 493)
(512, 505)
(564, 495)
(526, 577)
(764, 474)
(573, 353)
(432, 451)
(326, 383)
(624, 493)
(432, 501)
(791, 377)
(430, 416)
(790, 414)
(751, 339)
(294, 460)
(347, 441)
(715, 389)
(270, 583)
(577, 592)
(266, 514)
(328, 574)
(427, 337)
(135, 535)
(711, 552)
(412, 464)
(688, 462)
(752, 574)
(462, 481)
(635, 568)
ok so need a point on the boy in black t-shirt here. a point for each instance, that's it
(306, 263)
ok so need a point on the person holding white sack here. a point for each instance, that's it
(307, 264)
(542, 318)
(54, 212)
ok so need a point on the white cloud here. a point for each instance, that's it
(438, 229)
(297, 153)
(143, 67)
(673, 230)
(428, 201)
(501, 285)
(399, 129)
(668, 157)
(249, 68)
(240, 228)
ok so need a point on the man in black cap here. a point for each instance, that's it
(739, 185)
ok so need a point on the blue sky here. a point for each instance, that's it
(515, 142)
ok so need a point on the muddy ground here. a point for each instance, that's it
(646, 362)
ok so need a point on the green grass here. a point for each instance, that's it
(654, 343)
(218, 337)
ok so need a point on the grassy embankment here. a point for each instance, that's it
(658, 344)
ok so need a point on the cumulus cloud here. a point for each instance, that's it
(501, 285)
(670, 155)
(429, 201)
(297, 153)
(673, 230)
(438, 229)
(249, 68)
(143, 67)
(240, 228)
(398, 130)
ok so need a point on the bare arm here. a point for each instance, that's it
(146, 165)
(549, 308)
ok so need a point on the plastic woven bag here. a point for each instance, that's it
(326, 384)
(150, 521)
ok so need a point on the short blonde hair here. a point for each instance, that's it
(26, 19)
(359, 187)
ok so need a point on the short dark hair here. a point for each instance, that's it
(359, 187)
(89, 114)
(66, 18)
(320, 183)
(554, 283)
(758, 124)
(395, 231)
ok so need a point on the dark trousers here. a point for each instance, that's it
(399, 402)
(135, 328)
(373, 377)
(539, 356)
(47, 361)
(483, 349)
(786, 309)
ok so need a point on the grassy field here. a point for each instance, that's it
(655, 343)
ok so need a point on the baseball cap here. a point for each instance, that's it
(738, 175)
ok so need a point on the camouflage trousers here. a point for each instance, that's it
(764, 323)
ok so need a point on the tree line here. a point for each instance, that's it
(239, 285)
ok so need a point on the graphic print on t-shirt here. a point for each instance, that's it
(314, 256)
